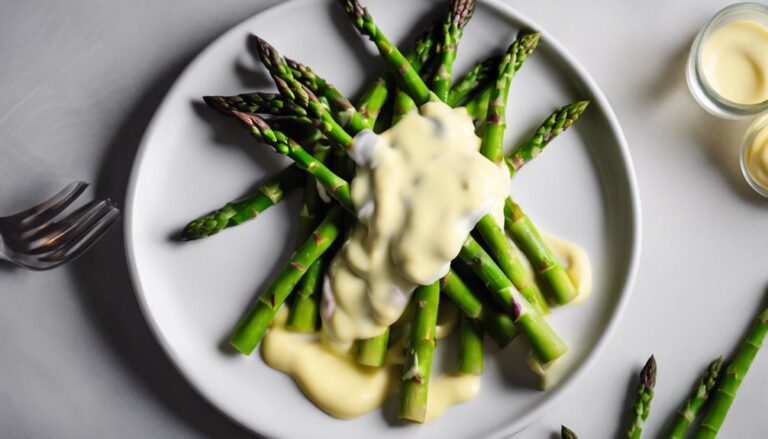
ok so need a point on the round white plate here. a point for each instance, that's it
(192, 160)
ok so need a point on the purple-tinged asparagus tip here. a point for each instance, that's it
(648, 374)
(353, 7)
(251, 120)
(269, 55)
(219, 104)
(461, 11)
(567, 433)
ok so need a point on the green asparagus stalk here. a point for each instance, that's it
(303, 312)
(460, 11)
(492, 148)
(418, 362)
(557, 122)
(547, 346)
(504, 255)
(567, 433)
(470, 346)
(346, 113)
(373, 351)
(404, 74)
(373, 100)
(263, 103)
(237, 212)
(403, 104)
(642, 407)
(554, 277)
(495, 122)
(498, 325)
(478, 107)
(692, 407)
(260, 129)
(291, 89)
(737, 369)
(474, 80)
(252, 327)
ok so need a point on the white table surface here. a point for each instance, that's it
(80, 80)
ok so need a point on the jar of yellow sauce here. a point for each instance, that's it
(754, 155)
(728, 65)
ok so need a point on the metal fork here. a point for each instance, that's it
(36, 240)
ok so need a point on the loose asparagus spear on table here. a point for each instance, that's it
(737, 369)
(642, 406)
(693, 405)
(567, 433)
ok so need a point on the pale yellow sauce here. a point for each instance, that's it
(420, 188)
(341, 387)
(576, 263)
(757, 157)
(344, 389)
(734, 59)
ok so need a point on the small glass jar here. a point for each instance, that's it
(760, 125)
(701, 89)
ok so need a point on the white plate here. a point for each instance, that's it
(191, 160)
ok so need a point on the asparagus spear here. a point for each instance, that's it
(495, 122)
(470, 346)
(567, 433)
(498, 325)
(346, 113)
(303, 314)
(642, 407)
(291, 89)
(237, 212)
(492, 148)
(545, 343)
(373, 100)
(403, 72)
(557, 122)
(403, 103)
(418, 362)
(260, 129)
(478, 106)
(266, 103)
(550, 271)
(373, 351)
(691, 407)
(252, 327)
(475, 79)
(737, 369)
(460, 11)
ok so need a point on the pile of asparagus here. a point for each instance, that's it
(713, 394)
(311, 122)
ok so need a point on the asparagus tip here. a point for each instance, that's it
(461, 12)
(567, 433)
(353, 7)
(218, 103)
(648, 374)
(250, 120)
(267, 52)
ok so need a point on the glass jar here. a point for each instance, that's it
(701, 89)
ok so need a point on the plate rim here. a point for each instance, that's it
(634, 223)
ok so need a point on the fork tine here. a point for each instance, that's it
(68, 229)
(75, 248)
(43, 212)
